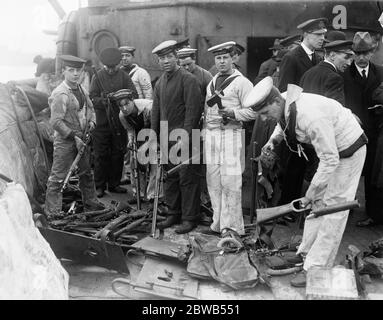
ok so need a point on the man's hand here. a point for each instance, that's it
(92, 126)
(306, 203)
(79, 143)
(268, 147)
(227, 112)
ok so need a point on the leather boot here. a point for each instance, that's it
(185, 227)
(100, 192)
(299, 281)
(170, 221)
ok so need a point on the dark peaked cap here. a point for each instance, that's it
(110, 57)
(71, 61)
(339, 46)
(316, 26)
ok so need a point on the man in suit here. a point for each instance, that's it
(325, 78)
(361, 80)
(269, 66)
(299, 60)
(293, 65)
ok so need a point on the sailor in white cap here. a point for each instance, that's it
(72, 117)
(177, 102)
(187, 60)
(237, 52)
(225, 114)
(139, 75)
(339, 143)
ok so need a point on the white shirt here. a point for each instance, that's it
(361, 69)
(307, 50)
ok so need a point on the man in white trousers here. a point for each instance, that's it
(340, 145)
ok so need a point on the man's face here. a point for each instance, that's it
(72, 75)
(187, 63)
(362, 59)
(223, 62)
(272, 110)
(127, 59)
(127, 107)
(341, 60)
(168, 62)
(111, 69)
(315, 41)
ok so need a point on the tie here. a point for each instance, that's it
(364, 74)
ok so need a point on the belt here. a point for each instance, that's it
(361, 141)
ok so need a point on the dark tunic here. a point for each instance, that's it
(323, 79)
(111, 83)
(177, 100)
(293, 65)
(204, 77)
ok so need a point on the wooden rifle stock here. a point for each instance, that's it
(268, 214)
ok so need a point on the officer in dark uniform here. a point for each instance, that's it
(109, 136)
(299, 60)
(325, 78)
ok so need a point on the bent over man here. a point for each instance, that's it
(339, 143)
(72, 116)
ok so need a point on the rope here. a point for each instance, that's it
(37, 127)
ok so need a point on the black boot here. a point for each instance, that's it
(118, 189)
(170, 221)
(185, 227)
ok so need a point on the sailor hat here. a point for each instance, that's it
(165, 47)
(262, 92)
(186, 52)
(127, 49)
(222, 48)
(71, 61)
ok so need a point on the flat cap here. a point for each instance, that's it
(110, 57)
(186, 52)
(285, 42)
(339, 46)
(317, 26)
(72, 61)
(222, 48)
(276, 45)
(262, 92)
(165, 47)
(127, 49)
(362, 42)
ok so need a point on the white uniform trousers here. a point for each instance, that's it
(322, 236)
(223, 150)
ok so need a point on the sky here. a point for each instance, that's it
(21, 32)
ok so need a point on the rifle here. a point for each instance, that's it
(156, 195)
(268, 214)
(136, 174)
(75, 162)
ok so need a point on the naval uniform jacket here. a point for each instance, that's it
(177, 100)
(323, 79)
(293, 65)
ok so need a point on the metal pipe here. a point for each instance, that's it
(58, 8)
